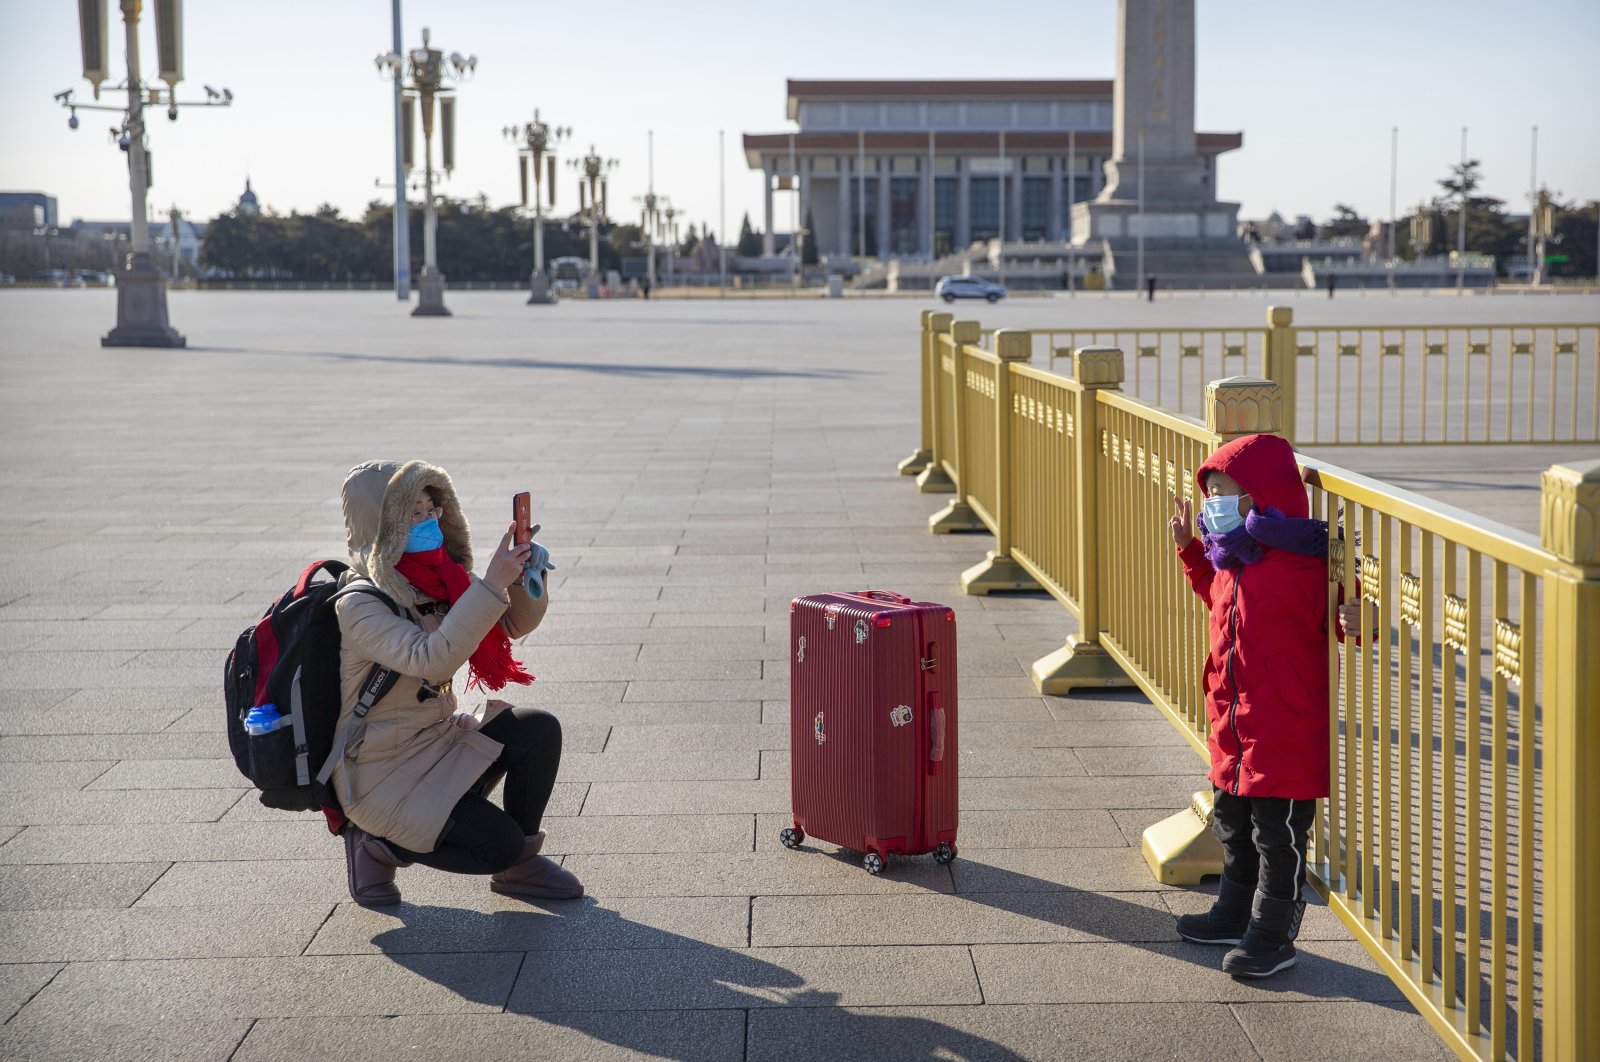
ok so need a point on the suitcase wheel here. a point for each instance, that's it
(792, 837)
(945, 853)
(873, 862)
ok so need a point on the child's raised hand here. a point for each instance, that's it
(1182, 523)
(1350, 621)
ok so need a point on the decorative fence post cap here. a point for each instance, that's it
(1098, 366)
(1569, 513)
(940, 322)
(966, 331)
(1013, 344)
(1243, 405)
(1280, 316)
(927, 316)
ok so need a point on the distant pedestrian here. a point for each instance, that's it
(1260, 564)
(1150, 288)
(1332, 280)
(644, 286)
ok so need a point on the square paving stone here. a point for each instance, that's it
(1049, 869)
(671, 739)
(1132, 973)
(982, 918)
(196, 989)
(1322, 1032)
(67, 886)
(502, 923)
(716, 978)
(38, 777)
(1074, 733)
(31, 700)
(591, 834)
(169, 842)
(624, 766)
(657, 713)
(1019, 763)
(19, 982)
(1180, 760)
(168, 746)
(992, 1033)
(686, 798)
(706, 690)
(131, 806)
(802, 873)
(158, 933)
(574, 1036)
(169, 775)
(1025, 794)
(179, 1041)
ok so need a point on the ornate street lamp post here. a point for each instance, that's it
(671, 238)
(592, 170)
(141, 286)
(536, 143)
(429, 69)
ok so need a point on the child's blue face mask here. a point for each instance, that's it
(1222, 513)
(424, 536)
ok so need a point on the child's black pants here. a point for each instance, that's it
(480, 838)
(1263, 841)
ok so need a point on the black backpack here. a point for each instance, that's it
(290, 658)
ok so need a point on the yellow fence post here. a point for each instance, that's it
(1281, 366)
(958, 515)
(934, 479)
(1569, 528)
(1181, 849)
(998, 571)
(923, 454)
(1083, 661)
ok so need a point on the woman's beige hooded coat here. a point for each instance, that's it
(404, 766)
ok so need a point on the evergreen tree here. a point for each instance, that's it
(749, 245)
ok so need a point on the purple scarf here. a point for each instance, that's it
(1263, 529)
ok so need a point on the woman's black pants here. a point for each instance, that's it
(479, 838)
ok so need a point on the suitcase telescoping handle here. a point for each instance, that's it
(885, 595)
(935, 733)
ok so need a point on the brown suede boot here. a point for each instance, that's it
(370, 865)
(537, 876)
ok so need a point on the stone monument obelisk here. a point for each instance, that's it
(1153, 109)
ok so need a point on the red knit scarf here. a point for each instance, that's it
(436, 575)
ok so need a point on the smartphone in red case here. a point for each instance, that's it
(522, 513)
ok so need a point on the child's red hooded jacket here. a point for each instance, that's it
(1266, 674)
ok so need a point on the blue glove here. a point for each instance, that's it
(533, 572)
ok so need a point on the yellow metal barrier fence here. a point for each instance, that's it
(1369, 385)
(1459, 841)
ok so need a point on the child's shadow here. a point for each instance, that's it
(591, 969)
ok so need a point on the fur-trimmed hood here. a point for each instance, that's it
(377, 498)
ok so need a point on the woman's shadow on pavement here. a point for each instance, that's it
(590, 969)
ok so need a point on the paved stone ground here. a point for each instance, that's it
(695, 466)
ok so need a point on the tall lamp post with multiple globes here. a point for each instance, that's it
(141, 286)
(429, 70)
(536, 145)
(592, 170)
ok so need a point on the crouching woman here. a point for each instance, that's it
(413, 774)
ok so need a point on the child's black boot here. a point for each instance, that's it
(1227, 920)
(1268, 945)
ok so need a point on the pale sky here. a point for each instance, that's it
(1314, 88)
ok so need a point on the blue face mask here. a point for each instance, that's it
(424, 536)
(1222, 514)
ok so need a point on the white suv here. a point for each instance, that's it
(952, 288)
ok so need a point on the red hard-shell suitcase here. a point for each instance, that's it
(872, 724)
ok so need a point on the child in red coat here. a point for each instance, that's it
(1261, 565)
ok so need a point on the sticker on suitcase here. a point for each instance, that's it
(816, 728)
(900, 715)
(862, 630)
(800, 654)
